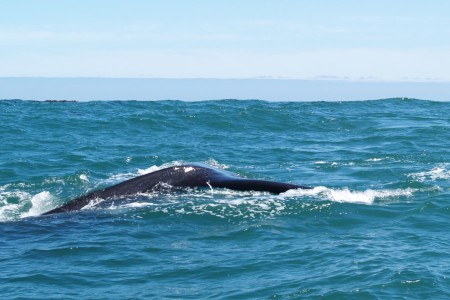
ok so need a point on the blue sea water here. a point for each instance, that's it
(375, 226)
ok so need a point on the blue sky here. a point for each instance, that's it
(351, 40)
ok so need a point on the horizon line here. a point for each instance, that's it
(262, 78)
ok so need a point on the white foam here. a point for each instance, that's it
(49, 181)
(375, 159)
(346, 195)
(216, 164)
(40, 203)
(138, 204)
(249, 208)
(84, 177)
(441, 172)
(333, 163)
(11, 211)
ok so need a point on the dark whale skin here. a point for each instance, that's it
(184, 176)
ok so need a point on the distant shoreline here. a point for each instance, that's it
(147, 89)
(218, 100)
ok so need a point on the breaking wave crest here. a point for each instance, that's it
(18, 204)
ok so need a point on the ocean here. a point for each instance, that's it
(375, 226)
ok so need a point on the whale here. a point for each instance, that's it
(176, 177)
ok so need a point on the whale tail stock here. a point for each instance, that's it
(184, 176)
